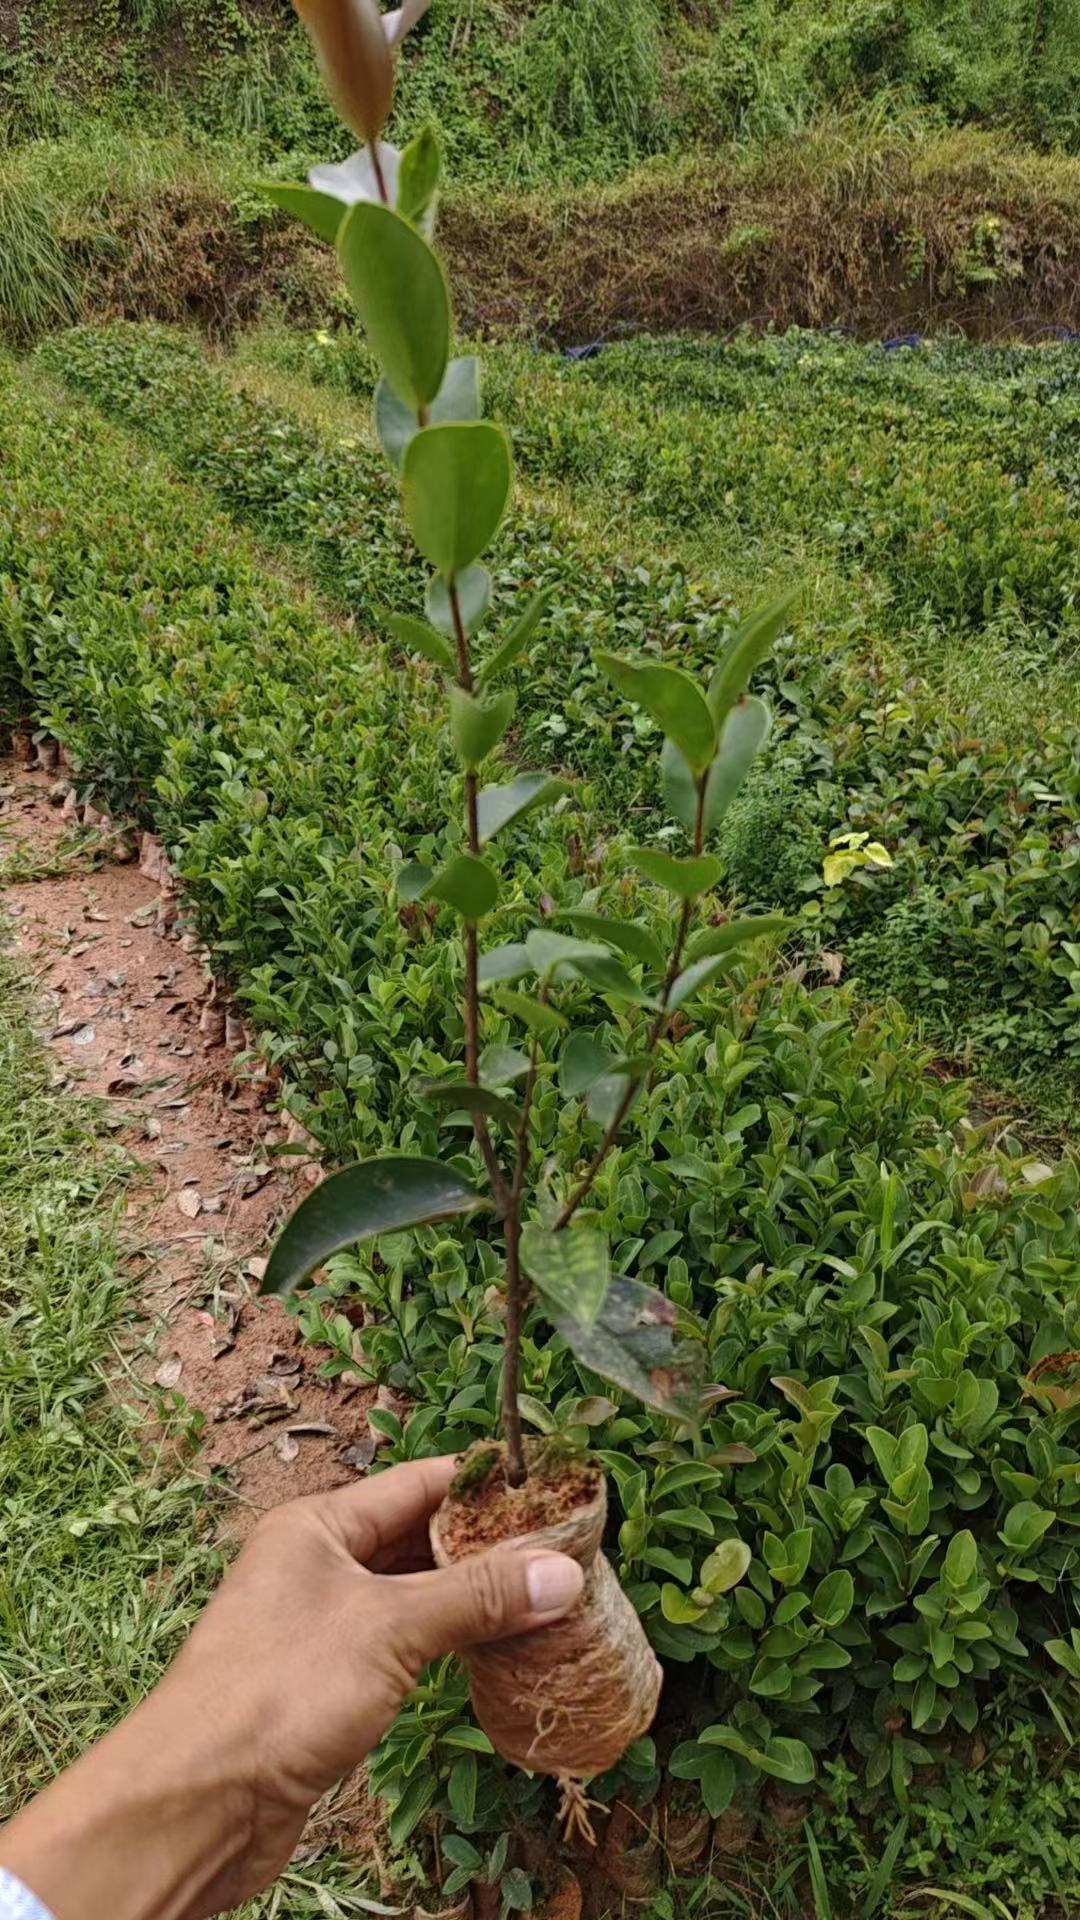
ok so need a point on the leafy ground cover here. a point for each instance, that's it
(927, 698)
(872, 1272)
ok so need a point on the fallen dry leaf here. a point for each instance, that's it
(189, 1202)
(286, 1448)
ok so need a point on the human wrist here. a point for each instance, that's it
(147, 1825)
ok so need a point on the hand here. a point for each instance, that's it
(297, 1667)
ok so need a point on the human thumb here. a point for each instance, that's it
(485, 1597)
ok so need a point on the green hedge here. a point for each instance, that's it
(866, 1270)
(978, 923)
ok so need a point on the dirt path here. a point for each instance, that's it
(125, 1009)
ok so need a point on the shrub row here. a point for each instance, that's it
(977, 924)
(870, 1278)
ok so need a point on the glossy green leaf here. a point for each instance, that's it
(501, 1066)
(413, 880)
(687, 877)
(319, 211)
(752, 640)
(608, 975)
(696, 976)
(735, 933)
(417, 637)
(466, 884)
(518, 637)
(785, 1759)
(679, 786)
(496, 806)
(743, 734)
(418, 180)
(535, 1014)
(456, 485)
(583, 1061)
(472, 590)
(401, 296)
(374, 1196)
(508, 962)
(461, 1094)
(673, 700)
(461, 1789)
(834, 1598)
(477, 726)
(718, 1780)
(726, 1566)
(572, 1269)
(630, 936)
(457, 399)
(634, 1343)
(548, 951)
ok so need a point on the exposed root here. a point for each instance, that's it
(574, 1806)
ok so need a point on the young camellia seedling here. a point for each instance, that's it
(569, 1699)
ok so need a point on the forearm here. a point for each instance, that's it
(146, 1826)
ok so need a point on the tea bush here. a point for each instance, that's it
(871, 1277)
(985, 827)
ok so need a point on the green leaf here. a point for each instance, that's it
(457, 399)
(385, 1195)
(466, 884)
(418, 179)
(584, 1060)
(630, 936)
(744, 732)
(834, 1598)
(535, 1014)
(679, 786)
(747, 648)
(718, 1780)
(608, 975)
(469, 1739)
(477, 726)
(518, 637)
(923, 1702)
(673, 700)
(536, 1413)
(413, 880)
(462, 1094)
(473, 589)
(508, 962)
(319, 211)
(461, 1789)
(735, 933)
(633, 1342)
(412, 1806)
(572, 1269)
(401, 296)
(962, 1559)
(548, 951)
(457, 483)
(726, 1566)
(687, 877)
(693, 978)
(678, 1608)
(1024, 1525)
(784, 1759)
(497, 806)
(501, 1066)
(416, 637)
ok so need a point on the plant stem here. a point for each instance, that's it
(380, 178)
(656, 1033)
(509, 1198)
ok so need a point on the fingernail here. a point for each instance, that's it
(554, 1582)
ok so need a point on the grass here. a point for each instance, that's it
(107, 1547)
(104, 1541)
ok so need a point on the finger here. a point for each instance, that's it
(370, 1518)
(485, 1597)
